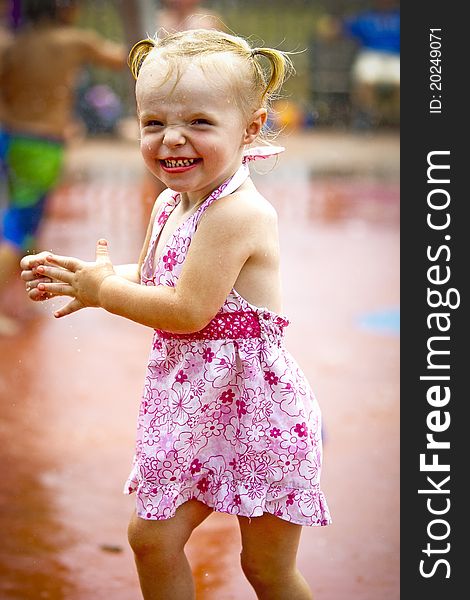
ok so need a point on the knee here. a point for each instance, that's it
(137, 541)
(142, 539)
(261, 574)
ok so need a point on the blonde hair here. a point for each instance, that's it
(261, 80)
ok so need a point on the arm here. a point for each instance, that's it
(30, 274)
(216, 256)
(224, 241)
(101, 51)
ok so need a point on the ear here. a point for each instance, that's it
(257, 120)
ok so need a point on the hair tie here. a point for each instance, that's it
(254, 52)
(138, 54)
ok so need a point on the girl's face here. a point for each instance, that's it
(192, 131)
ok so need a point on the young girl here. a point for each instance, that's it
(227, 421)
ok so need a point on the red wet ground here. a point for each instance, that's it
(69, 389)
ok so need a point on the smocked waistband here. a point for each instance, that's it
(227, 325)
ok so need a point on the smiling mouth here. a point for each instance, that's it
(178, 163)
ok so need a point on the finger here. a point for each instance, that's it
(39, 296)
(56, 289)
(55, 273)
(102, 253)
(39, 272)
(25, 263)
(31, 260)
(67, 262)
(31, 267)
(28, 275)
(68, 309)
(34, 293)
(33, 283)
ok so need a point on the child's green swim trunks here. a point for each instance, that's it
(32, 166)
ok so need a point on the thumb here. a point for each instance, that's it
(102, 255)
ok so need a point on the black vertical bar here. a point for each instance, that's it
(434, 121)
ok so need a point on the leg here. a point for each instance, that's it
(9, 263)
(364, 103)
(9, 267)
(366, 72)
(269, 550)
(18, 229)
(158, 546)
(33, 166)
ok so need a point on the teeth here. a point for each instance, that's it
(186, 162)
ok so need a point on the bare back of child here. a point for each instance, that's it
(40, 67)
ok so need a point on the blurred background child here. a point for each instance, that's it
(178, 15)
(38, 72)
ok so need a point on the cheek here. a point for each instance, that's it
(149, 152)
(149, 148)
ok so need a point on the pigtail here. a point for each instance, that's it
(281, 69)
(138, 54)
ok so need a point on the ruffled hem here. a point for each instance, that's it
(302, 506)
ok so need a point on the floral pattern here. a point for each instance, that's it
(227, 417)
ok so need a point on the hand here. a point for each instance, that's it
(78, 279)
(30, 274)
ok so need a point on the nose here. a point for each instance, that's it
(173, 136)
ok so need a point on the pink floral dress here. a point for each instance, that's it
(227, 417)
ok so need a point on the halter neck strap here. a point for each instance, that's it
(261, 152)
(239, 177)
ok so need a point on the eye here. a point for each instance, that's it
(200, 122)
(153, 123)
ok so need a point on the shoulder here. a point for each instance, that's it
(246, 209)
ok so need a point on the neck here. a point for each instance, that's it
(193, 202)
(194, 199)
